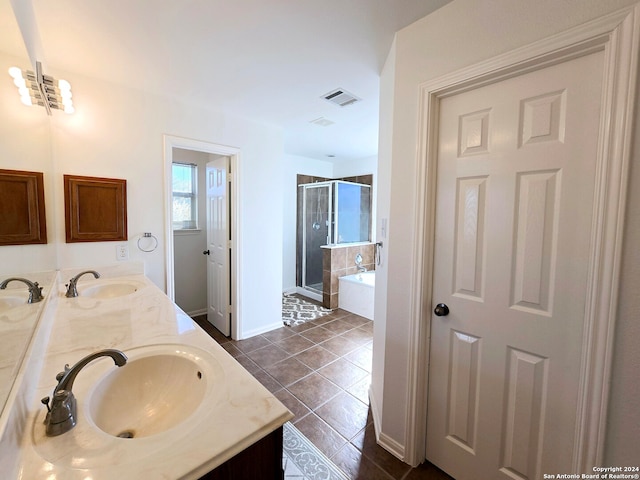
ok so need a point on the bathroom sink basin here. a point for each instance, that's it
(104, 290)
(159, 388)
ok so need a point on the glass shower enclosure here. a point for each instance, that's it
(334, 212)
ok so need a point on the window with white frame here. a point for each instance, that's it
(185, 196)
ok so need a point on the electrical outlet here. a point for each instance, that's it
(122, 252)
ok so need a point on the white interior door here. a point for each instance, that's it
(218, 245)
(515, 193)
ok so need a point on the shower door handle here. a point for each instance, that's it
(206, 252)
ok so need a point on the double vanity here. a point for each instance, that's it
(155, 396)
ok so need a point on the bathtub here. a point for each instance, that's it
(356, 293)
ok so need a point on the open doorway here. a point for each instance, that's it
(202, 230)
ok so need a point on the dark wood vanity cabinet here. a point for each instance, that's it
(262, 460)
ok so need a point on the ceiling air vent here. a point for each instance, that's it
(323, 122)
(341, 98)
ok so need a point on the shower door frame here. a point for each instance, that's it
(335, 224)
(307, 290)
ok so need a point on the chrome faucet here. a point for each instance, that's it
(61, 414)
(72, 290)
(35, 290)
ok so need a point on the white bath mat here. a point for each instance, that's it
(295, 310)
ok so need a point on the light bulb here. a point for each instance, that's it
(69, 109)
(23, 91)
(19, 82)
(66, 95)
(26, 99)
(64, 85)
(15, 72)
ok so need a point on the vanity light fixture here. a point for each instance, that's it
(39, 89)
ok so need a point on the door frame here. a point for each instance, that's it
(171, 142)
(618, 36)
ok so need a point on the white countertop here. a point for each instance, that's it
(241, 412)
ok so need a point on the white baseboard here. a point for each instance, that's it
(261, 330)
(375, 411)
(290, 290)
(389, 444)
(195, 313)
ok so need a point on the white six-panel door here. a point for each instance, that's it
(515, 191)
(218, 281)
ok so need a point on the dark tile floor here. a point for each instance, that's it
(321, 370)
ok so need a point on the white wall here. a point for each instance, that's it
(459, 34)
(190, 265)
(118, 132)
(358, 166)
(383, 195)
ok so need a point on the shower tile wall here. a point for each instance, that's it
(364, 179)
(339, 261)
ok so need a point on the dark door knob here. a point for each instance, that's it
(441, 310)
(206, 252)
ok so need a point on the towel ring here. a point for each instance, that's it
(148, 235)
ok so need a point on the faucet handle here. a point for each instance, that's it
(72, 291)
(61, 375)
(35, 293)
(45, 402)
(62, 416)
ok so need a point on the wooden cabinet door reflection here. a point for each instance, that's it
(22, 212)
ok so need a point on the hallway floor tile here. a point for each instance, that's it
(321, 371)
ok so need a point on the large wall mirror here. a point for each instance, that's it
(25, 144)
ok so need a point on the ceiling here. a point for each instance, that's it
(267, 60)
